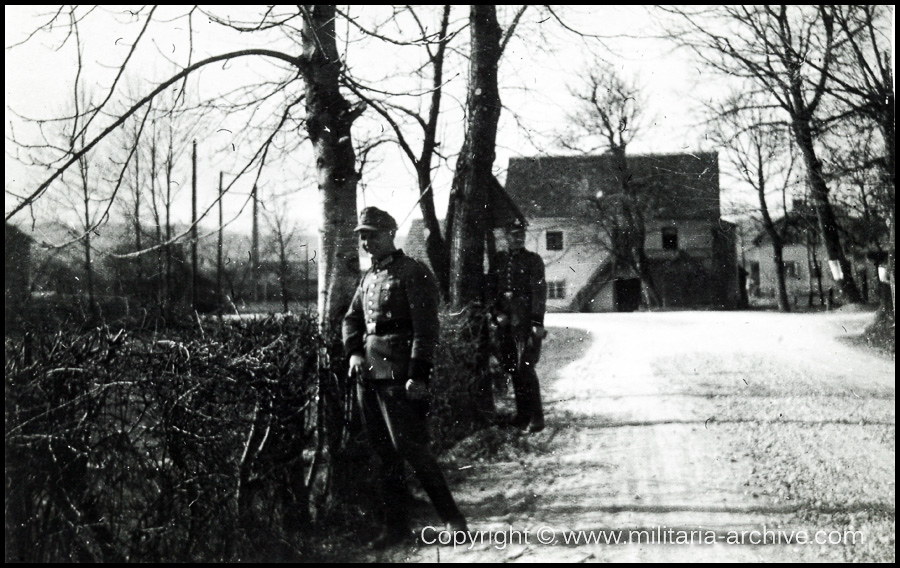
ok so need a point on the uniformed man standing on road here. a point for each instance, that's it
(517, 298)
(390, 333)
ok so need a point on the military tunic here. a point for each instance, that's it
(517, 296)
(393, 319)
(393, 322)
(517, 287)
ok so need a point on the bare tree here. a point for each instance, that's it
(609, 109)
(865, 84)
(313, 59)
(760, 151)
(426, 122)
(283, 233)
(773, 48)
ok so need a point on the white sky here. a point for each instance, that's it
(39, 81)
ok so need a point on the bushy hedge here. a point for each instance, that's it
(222, 444)
(134, 448)
(461, 389)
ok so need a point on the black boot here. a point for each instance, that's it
(391, 536)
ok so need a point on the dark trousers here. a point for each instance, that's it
(398, 432)
(519, 351)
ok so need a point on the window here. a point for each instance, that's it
(556, 289)
(554, 240)
(791, 269)
(670, 238)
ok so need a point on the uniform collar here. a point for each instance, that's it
(387, 259)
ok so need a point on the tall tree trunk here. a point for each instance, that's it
(888, 133)
(818, 189)
(471, 183)
(137, 220)
(329, 118)
(168, 276)
(88, 266)
(467, 220)
(784, 304)
(435, 244)
(195, 277)
(769, 225)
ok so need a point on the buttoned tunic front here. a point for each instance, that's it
(516, 287)
(393, 322)
(393, 317)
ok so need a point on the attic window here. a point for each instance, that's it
(554, 240)
(670, 238)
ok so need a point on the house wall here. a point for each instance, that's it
(709, 279)
(799, 284)
(580, 256)
(703, 270)
(694, 236)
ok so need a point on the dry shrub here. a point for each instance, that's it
(461, 384)
(123, 447)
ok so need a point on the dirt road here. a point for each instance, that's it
(687, 436)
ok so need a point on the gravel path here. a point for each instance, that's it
(688, 436)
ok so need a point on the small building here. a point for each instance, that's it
(691, 251)
(808, 277)
(501, 210)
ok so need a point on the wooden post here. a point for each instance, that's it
(194, 227)
(219, 253)
(254, 253)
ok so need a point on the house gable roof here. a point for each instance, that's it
(801, 224)
(564, 186)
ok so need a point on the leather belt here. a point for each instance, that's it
(390, 326)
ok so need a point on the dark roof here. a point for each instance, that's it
(501, 209)
(802, 223)
(563, 186)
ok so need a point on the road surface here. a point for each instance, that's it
(686, 436)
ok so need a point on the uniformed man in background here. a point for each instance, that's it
(390, 333)
(517, 300)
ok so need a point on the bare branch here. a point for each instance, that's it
(122, 118)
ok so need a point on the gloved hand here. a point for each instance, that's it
(417, 385)
(357, 367)
(416, 390)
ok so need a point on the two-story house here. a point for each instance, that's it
(691, 251)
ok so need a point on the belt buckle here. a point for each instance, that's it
(371, 327)
(508, 294)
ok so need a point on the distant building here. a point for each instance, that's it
(691, 250)
(501, 209)
(808, 276)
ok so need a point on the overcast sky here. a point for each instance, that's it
(534, 82)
